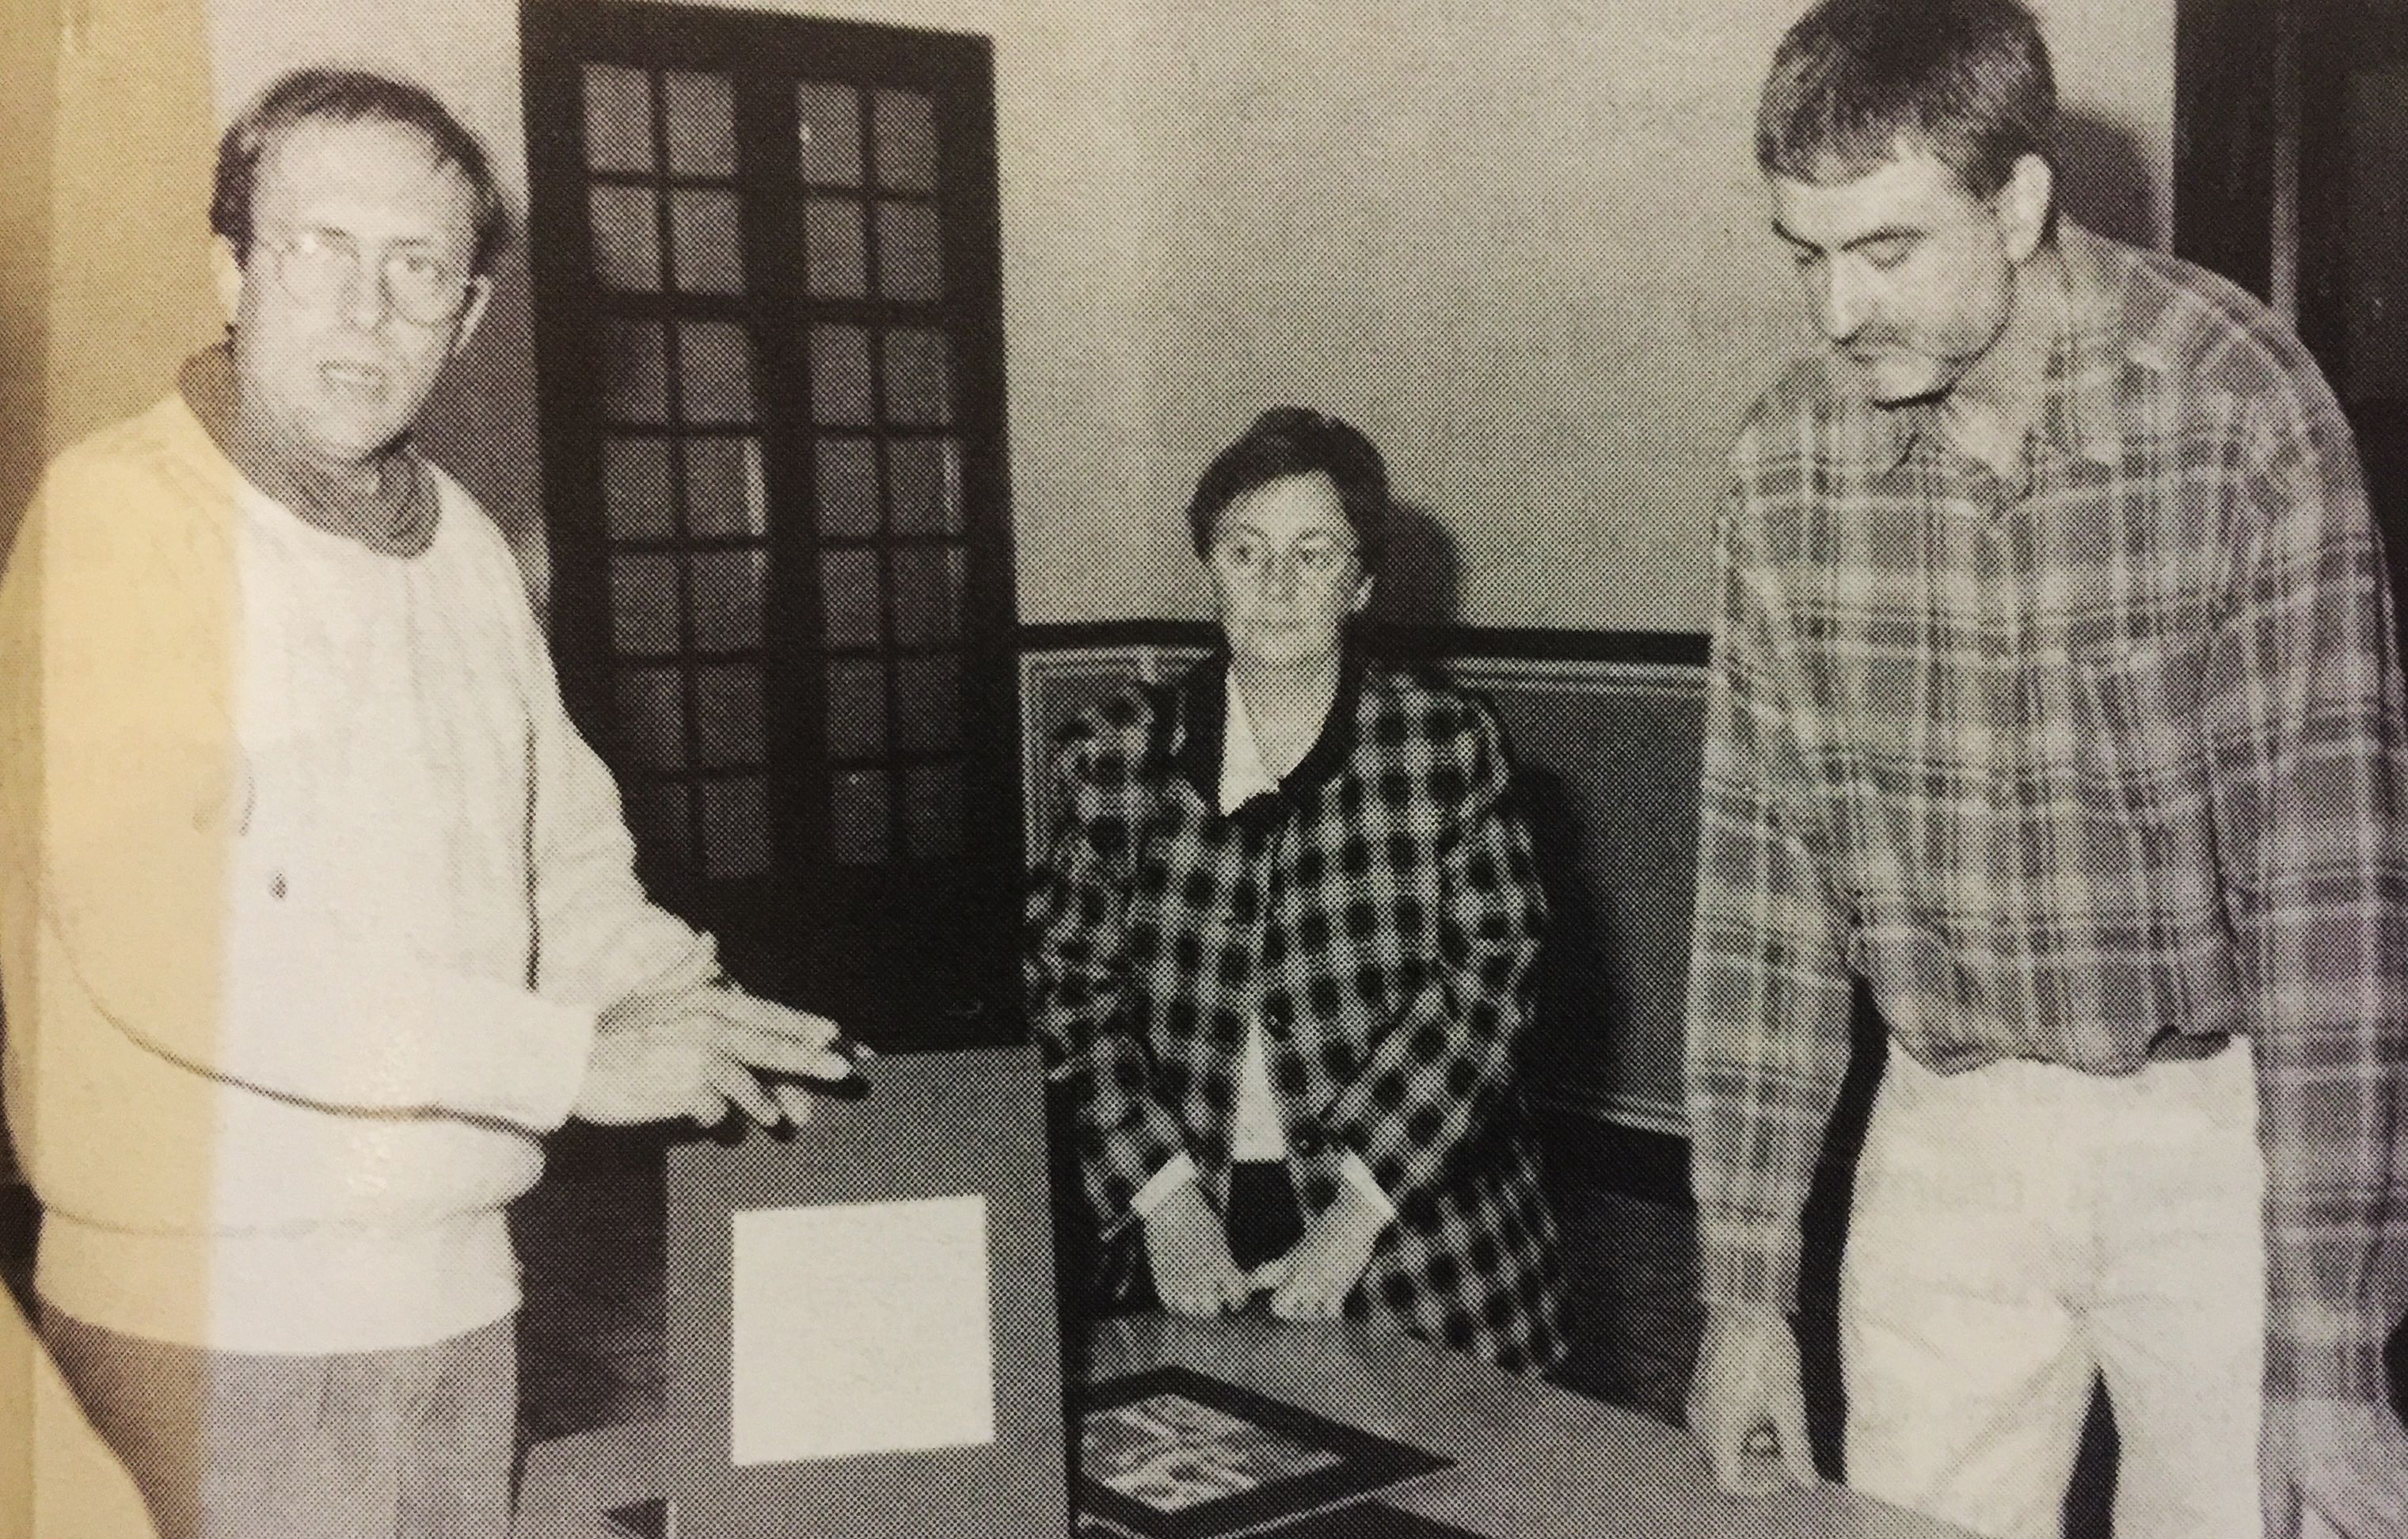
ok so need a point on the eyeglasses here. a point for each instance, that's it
(1315, 560)
(318, 267)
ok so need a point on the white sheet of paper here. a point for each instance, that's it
(859, 1329)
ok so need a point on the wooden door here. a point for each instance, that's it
(770, 345)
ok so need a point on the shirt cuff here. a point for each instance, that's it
(1176, 1173)
(1359, 1176)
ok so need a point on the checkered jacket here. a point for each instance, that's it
(1381, 912)
(2063, 771)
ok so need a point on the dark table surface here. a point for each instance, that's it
(1529, 1458)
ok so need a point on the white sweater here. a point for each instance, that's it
(312, 896)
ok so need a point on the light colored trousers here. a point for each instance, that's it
(2021, 1229)
(413, 1444)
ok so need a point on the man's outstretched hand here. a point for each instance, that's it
(692, 1052)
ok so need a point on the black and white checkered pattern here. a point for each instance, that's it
(1381, 912)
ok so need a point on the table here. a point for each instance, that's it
(1531, 1461)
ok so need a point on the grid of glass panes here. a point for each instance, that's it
(685, 500)
(886, 473)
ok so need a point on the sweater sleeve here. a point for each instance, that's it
(599, 936)
(124, 796)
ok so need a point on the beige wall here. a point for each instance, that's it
(104, 288)
(1521, 244)
(28, 103)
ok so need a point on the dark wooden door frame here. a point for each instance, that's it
(558, 37)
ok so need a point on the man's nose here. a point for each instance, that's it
(365, 303)
(1845, 302)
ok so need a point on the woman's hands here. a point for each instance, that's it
(1195, 1274)
(1188, 1248)
(1312, 1281)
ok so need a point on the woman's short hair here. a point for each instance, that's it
(1295, 440)
(349, 96)
(1968, 80)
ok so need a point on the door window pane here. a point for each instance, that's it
(735, 827)
(933, 796)
(728, 707)
(729, 588)
(919, 389)
(725, 493)
(905, 125)
(701, 121)
(618, 118)
(635, 372)
(710, 252)
(636, 488)
(857, 817)
(928, 698)
(644, 603)
(830, 115)
(627, 237)
(834, 261)
(657, 813)
(910, 255)
(652, 718)
(856, 708)
(850, 597)
(929, 592)
(840, 376)
(717, 365)
(847, 481)
(925, 479)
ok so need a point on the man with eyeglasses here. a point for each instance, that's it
(315, 912)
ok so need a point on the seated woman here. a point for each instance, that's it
(1281, 949)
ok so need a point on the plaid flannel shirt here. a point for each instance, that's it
(2059, 768)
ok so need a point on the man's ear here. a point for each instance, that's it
(481, 299)
(225, 270)
(1362, 595)
(2024, 204)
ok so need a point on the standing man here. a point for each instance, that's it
(316, 910)
(2056, 697)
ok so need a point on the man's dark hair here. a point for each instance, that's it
(1855, 80)
(349, 96)
(1294, 440)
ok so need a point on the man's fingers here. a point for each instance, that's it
(793, 1100)
(745, 1012)
(785, 1055)
(736, 1082)
(1797, 1453)
(706, 1106)
(1730, 1449)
